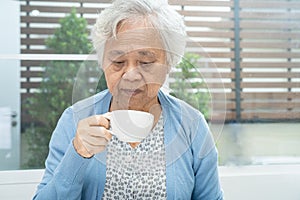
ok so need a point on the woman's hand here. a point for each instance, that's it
(92, 135)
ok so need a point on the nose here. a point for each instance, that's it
(132, 74)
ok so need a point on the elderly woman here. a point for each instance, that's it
(137, 42)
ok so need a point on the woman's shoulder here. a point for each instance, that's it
(91, 101)
(92, 105)
(178, 107)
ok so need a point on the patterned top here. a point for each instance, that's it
(137, 173)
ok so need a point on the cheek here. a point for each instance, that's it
(109, 83)
(155, 83)
(159, 76)
(112, 79)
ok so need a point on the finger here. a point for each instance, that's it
(98, 120)
(103, 121)
(96, 141)
(99, 131)
(93, 149)
(80, 147)
(107, 115)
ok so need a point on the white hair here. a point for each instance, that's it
(159, 13)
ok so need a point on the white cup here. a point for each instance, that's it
(130, 125)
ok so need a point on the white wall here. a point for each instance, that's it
(19, 184)
(278, 182)
(273, 182)
(10, 81)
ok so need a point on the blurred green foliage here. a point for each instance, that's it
(55, 92)
(188, 84)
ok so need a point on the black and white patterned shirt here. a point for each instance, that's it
(137, 173)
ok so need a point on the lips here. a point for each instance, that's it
(131, 92)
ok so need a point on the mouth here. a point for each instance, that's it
(131, 92)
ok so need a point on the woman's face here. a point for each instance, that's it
(135, 67)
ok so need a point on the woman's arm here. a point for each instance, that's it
(65, 168)
(207, 183)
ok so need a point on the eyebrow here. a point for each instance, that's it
(116, 53)
(147, 53)
(119, 53)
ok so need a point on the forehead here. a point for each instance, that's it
(134, 36)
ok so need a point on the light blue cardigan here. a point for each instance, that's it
(191, 157)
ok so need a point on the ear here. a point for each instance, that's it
(169, 69)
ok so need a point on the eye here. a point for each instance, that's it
(118, 64)
(146, 64)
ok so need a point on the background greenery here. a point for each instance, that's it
(188, 84)
(55, 92)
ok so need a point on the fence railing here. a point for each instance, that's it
(254, 44)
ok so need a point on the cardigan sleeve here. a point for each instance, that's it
(64, 174)
(207, 185)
